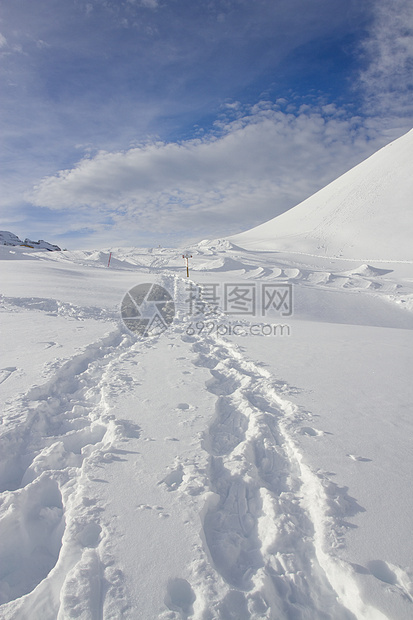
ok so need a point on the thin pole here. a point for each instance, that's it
(187, 257)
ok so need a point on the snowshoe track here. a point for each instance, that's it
(257, 533)
(49, 437)
(264, 538)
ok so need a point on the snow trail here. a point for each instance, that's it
(266, 523)
(258, 532)
(49, 436)
(270, 529)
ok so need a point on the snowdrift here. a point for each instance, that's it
(369, 207)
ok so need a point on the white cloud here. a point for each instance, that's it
(387, 81)
(3, 41)
(254, 168)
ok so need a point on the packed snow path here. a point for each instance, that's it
(249, 531)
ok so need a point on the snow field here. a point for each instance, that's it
(165, 477)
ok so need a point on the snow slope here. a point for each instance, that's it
(220, 470)
(366, 214)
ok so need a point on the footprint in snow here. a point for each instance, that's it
(312, 432)
(180, 597)
(50, 343)
(173, 480)
(393, 576)
(89, 535)
(32, 542)
(6, 372)
(234, 606)
(126, 429)
(157, 510)
(183, 406)
(360, 459)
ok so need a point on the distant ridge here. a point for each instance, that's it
(8, 238)
(366, 214)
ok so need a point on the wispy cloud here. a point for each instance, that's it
(387, 79)
(250, 169)
(150, 4)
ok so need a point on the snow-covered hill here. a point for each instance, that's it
(252, 461)
(366, 214)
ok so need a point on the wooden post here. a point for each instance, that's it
(187, 257)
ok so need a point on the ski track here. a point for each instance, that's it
(271, 528)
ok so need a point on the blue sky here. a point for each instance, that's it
(146, 122)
